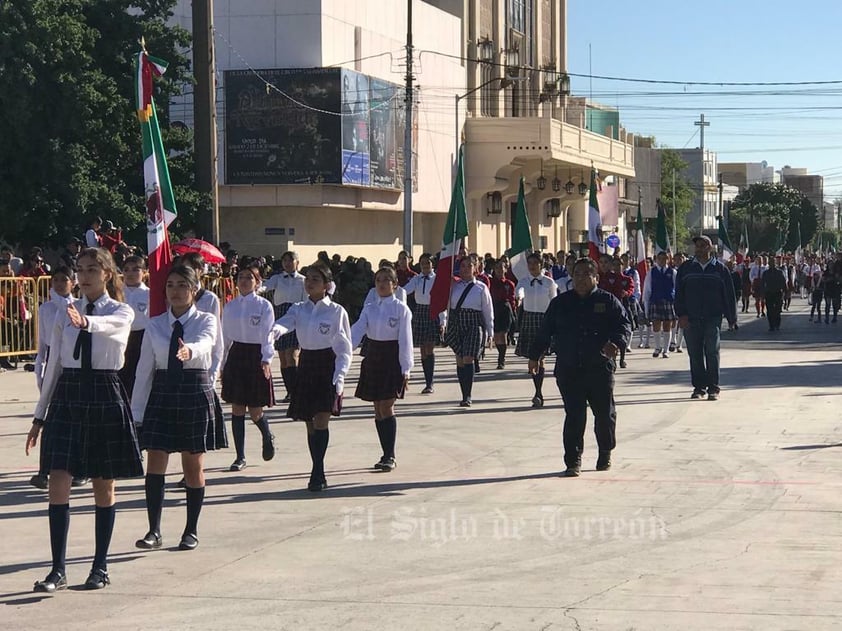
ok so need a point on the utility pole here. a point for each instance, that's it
(719, 186)
(407, 139)
(702, 124)
(674, 229)
(204, 116)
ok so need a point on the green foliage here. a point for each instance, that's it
(671, 162)
(70, 138)
(773, 213)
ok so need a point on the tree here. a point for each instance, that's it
(773, 213)
(70, 145)
(671, 162)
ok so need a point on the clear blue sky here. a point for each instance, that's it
(720, 40)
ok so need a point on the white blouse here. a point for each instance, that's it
(200, 334)
(319, 325)
(209, 303)
(138, 299)
(385, 320)
(109, 326)
(421, 286)
(248, 319)
(47, 313)
(536, 292)
(287, 288)
(373, 296)
(478, 299)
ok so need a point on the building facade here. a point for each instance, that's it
(701, 173)
(744, 174)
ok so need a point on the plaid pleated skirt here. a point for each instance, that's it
(89, 430)
(503, 316)
(424, 329)
(313, 391)
(380, 374)
(183, 415)
(131, 358)
(530, 324)
(243, 381)
(466, 332)
(662, 310)
(289, 340)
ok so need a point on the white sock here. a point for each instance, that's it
(669, 339)
(647, 334)
(659, 339)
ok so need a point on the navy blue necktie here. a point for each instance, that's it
(424, 284)
(83, 349)
(536, 280)
(175, 366)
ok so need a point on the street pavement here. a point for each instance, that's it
(715, 515)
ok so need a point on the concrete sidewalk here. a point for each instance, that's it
(716, 515)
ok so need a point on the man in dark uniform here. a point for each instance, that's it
(774, 286)
(588, 327)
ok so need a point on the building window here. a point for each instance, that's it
(519, 17)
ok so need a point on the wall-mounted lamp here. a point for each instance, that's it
(495, 203)
(541, 182)
(570, 186)
(485, 49)
(583, 188)
(554, 208)
(556, 181)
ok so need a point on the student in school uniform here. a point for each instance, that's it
(246, 374)
(504, 303)
(324, 333)
(174, 397)
(470, 317)
(287, 288)
(61, 284)
(659, 301)
(384, 373)
(137, 297)
(425, 329)
(87, 423)
(535, 291)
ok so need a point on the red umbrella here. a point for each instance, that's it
(209, 252)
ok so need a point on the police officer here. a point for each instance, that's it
(774, 286)
(588, 326)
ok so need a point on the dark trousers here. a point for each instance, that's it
(702, 336)
(579, 388)
(774, 304)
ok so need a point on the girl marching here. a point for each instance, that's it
(87, 422)
(325, 337)
(469, 318)
(425, 329)
(505, 305)
(174, 397)
(246, 375)
(387, 322)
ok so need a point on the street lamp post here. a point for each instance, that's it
(504, 83)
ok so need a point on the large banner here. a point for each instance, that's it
(298, 138)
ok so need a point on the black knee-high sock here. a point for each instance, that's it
(390, 432)
(263, 426)
(104, 526)
(59, 524)
(460, 374)
(501, 353)
(321, 438)
(154, 488)
(538, 380)
(292, 372)
(427, 363)
(469, 379)
(378, 423)
(238, 429)
(285, 378)
(195, 499)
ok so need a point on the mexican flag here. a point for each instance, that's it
(744, 245)
(640, 247)
(160, 202)
(455, 230)
(662, 240)
(594, 220)
(521, 238)
(799, 258)
(724, 242)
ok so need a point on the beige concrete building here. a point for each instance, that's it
(490, 72)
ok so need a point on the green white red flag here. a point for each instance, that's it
(160, 201)
(521, 237)
(594, 219)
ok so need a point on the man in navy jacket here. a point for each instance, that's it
(704, 294)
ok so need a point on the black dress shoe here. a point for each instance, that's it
(77, 482)
(572, 472)
(427, 390)
(386, 464)
(54, 582)
(465, 403)
(40, 481)
(189, 541)
(97, 579)
(150, 541)
(317, 486)
(238, 465)
(269, 447)
(603, 463)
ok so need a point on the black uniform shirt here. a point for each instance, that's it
(580, 327)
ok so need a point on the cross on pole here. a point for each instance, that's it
(702, 123)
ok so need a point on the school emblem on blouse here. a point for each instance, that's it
(141, 306)
(255, 319)
(393, 322)
(324, 328)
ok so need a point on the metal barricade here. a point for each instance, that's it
(223, 286)
(19, 302)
